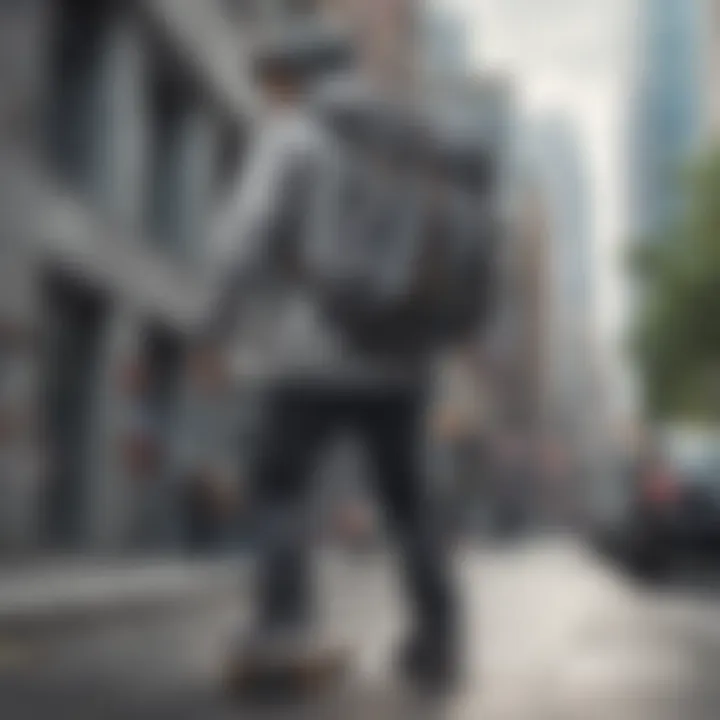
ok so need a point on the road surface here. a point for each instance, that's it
(554, 634)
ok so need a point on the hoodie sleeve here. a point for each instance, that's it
(241, 237)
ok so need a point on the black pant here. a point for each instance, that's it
(390, 421)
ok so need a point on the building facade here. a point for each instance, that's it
(531, 289)
(571, 323)
(666, 108)
(710, 78)
(121, 128)
(711, 82)
(445, 38)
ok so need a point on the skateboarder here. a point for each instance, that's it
(320, 375)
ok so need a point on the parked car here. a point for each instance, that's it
(664, 508)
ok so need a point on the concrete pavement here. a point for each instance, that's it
(553, 634)
(36, 597)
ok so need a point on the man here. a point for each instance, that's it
(317, 384)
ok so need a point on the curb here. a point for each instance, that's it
(53, 605)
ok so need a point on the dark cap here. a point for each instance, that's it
(302, 55)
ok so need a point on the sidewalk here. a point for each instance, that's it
(50, 595)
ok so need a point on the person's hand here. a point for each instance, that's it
(209, 368)
(447, 425)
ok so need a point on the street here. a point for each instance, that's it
(554, 634)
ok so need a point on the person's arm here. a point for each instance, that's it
(242, 234)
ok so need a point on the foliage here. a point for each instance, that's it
(677, 335)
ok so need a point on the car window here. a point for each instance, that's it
(695, 461)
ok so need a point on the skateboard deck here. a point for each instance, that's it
(280, 675)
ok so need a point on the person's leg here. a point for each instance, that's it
(393, 426)
(296, 427)
(465, 489)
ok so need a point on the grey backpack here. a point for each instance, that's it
(398, 277)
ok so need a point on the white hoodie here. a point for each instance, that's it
(283, 333)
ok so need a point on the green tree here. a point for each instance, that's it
(677, 334)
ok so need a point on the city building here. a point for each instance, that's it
(710, 80)
(445, 39)
(531, 278)
(570, 328)
(120, 128)
(666, 109)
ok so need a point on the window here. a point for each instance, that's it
(169, 105)
(74, 103)
(75, 322)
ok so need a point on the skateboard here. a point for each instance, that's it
(285, 674)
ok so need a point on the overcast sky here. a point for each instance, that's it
(570, 56)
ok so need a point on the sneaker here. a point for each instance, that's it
(433, 665)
